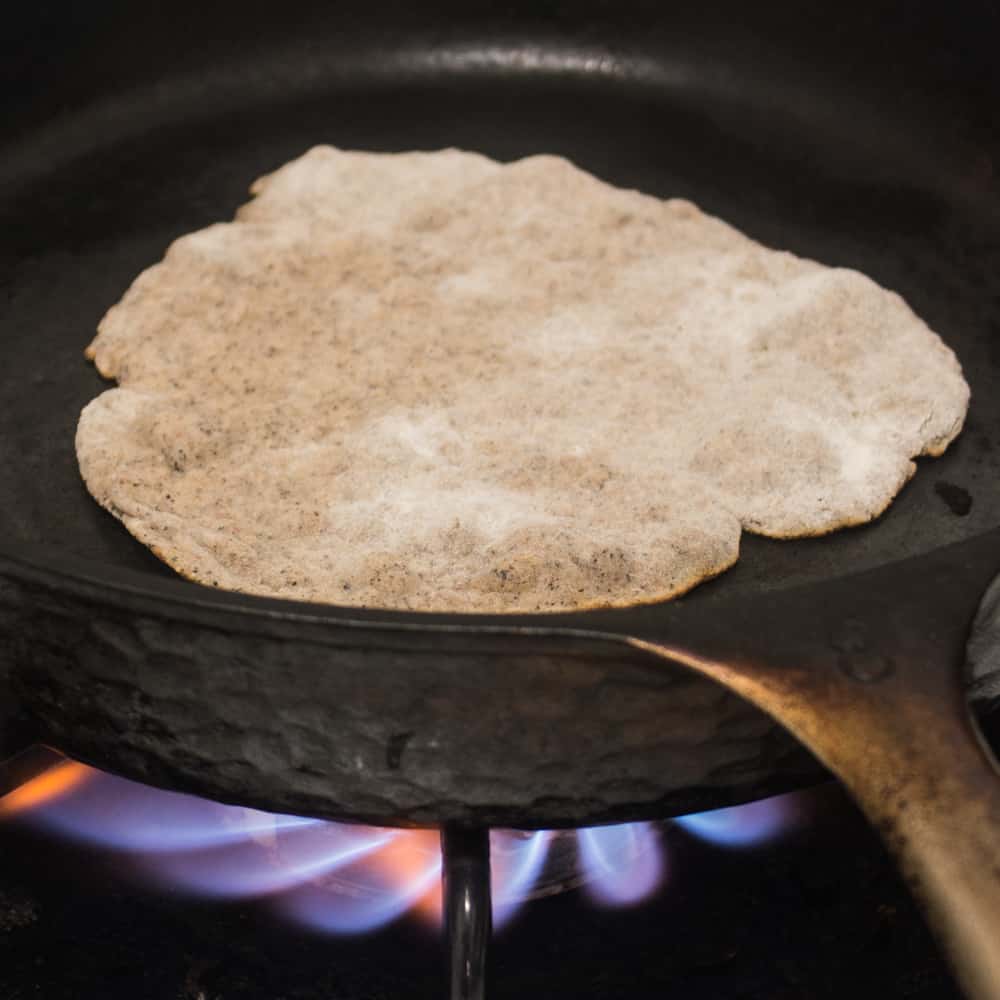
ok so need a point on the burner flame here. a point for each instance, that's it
(742, 826)
(45, 787)
(406, 875)
(249, 868)
(344, 878)
(624, 864)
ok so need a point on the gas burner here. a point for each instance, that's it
(787, 912)
(345, 878)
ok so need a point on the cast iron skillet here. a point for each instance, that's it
(863, 141)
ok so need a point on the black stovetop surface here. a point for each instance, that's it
(818, 914)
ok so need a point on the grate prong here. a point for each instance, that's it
(467, 909)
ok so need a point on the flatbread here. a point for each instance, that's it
(432, 381)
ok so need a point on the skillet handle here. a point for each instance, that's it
(898, 734)
(938, 811)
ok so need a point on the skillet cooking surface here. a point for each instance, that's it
(94, 194)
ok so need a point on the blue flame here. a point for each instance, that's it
(343, 878)
(336, 912)
(125, 815)
(516, 866)
(247, 869)
(742, 826)
(623, 864)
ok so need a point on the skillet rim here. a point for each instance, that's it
(41, 563)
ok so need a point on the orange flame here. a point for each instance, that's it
(404, 860)
(44, 787)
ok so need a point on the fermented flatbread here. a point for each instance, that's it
(433, 381)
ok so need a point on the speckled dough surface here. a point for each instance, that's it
(430, 381)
